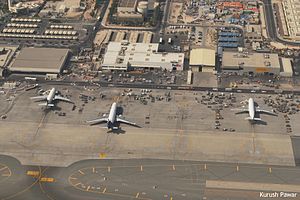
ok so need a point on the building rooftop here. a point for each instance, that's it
(287, 65)
(292, 15)
(123, 54)
(235, 60)
(72, 3)
(127, 3)
(151, 4)
(132, 47)
(44, 60)
(202, 56)
(129, 14)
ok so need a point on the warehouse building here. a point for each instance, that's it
(249, 63)
(203, 60)
(125, 56)
(40, 61)
(287, 68)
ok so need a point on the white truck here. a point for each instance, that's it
(160, 40)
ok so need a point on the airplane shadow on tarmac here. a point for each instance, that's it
(258, 123)
(120, 130)
(117, 131)
(119, 110)
(49, 109)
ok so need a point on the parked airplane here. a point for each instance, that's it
(252, 110)
(112, 119)
(50, 98)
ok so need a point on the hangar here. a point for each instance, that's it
(203, 59)
(40, 61)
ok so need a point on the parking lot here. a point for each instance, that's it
(148, 77)
(43, 32)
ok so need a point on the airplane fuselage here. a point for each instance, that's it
(112, 115)
(51, 95)
(251, 108)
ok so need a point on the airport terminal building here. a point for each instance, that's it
(40, 61)
(125, 55)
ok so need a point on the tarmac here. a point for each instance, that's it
(90, 142)
(176, 154)
(180, 129)
(144, 179)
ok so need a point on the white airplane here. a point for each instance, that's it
(112, 119)
(50, 98)
(252, 110)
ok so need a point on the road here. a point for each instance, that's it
(164, 22)
(167, 87)
(161, 86)
(271, 24)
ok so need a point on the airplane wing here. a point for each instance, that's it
(39, 98)
(57, 97)
(240, 110)
(266, 112)
(97, 121)
(126, 122)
